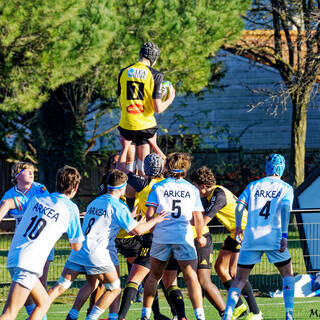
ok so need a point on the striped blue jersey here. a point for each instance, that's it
(44, 221)
(104, 218)
(180, 198)
(21, 199)
(263, 199)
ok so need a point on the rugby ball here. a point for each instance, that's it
(165, 92)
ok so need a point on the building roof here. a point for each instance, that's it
(259, 45)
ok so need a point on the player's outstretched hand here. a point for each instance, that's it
(238, 234)
(172, 94)
(283, 244)
(162, 216)
(202, 241)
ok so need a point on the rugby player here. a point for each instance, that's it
(268, 201)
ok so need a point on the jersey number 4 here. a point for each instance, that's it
(265, 210)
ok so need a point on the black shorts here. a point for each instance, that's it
(143, 257)
(205, 253)
(138, 137)
(231, 245)
(128, 247)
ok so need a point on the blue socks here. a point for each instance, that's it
(288, 292)
(233, 297)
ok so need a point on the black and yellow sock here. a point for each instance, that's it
(176, 298)
(128, 297)
(227, 285)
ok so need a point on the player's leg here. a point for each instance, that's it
(175, 296)
(151, 285)
(139, 270)
(95, 295)
(210, 290)
(42, 301)
(142, 151)
(64, 282)
(189, 271)
(154, 146)
(88, 288)
(114, 306)
(282, 261)
(111, 282)
(247, 260)
(18, 294)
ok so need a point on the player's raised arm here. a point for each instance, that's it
(5, 206)
(160, 106)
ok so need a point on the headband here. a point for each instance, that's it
(18, 173)
(117, 187)
(176, 170)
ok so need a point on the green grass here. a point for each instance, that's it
(272, 309)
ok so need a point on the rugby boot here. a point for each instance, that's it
(252, 316)
(289, 315)
(239, 312)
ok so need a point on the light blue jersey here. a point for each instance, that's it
(45, 220)
(21, 199)
(263, 199)
(104, 218)
(180, 198)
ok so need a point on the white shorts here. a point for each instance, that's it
(248, 257)
(181, 252)
(23, 277)
(89, 270)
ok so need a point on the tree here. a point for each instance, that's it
(44, 44)
(188, 33)
(287, 37)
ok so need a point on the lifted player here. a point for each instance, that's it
(139, 91)
(269, 201)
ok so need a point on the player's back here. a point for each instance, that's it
(263, 198)
(138, 85)
(180, 198)
(104, 218)
(44, 221)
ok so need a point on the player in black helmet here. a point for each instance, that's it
(139, 91)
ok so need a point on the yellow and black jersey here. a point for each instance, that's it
(138, 85)
(123, 233)
(221, 203)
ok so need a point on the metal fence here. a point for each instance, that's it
(303, 244)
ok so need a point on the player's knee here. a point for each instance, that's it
(115, 285)
(64, 283)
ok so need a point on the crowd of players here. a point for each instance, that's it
(177, 212)
(152, 214)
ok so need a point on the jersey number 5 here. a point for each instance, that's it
(265, 210)
(176, 209)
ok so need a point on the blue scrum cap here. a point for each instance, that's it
(275, 165)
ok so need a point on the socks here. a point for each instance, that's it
(247, 292)
(128, 297)
(95, 313)
(30, 308)
(227, 285)
(288, 293)
(73, 314)
(155, 306)
(176, 298)
(113, 316)
(199, 313)
(146, 312)
(233, 296)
